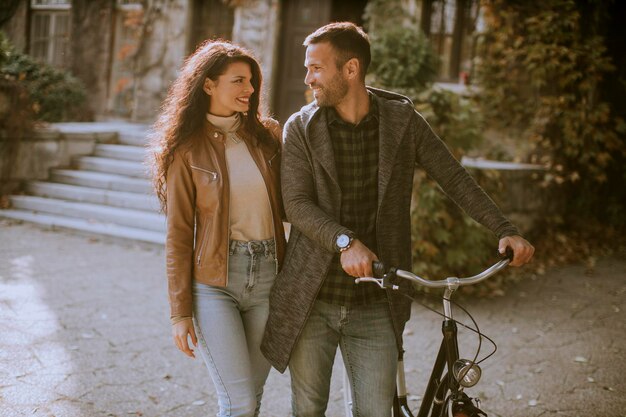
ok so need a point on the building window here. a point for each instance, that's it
(50, 31)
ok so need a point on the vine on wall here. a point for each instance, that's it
(541, 68)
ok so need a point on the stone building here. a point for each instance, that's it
(127, 52)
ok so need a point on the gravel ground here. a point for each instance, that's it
(84, 331)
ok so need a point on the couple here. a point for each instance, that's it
(344, 173)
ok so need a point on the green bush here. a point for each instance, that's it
(402, 58)
(55, 94)
(541, 71)
(16, 121)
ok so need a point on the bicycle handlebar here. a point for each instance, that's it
(452, 282)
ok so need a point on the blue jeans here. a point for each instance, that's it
(368, 346)
(230, 322)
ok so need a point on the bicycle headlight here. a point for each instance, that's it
(466, 373)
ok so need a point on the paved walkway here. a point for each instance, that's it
(84, 331)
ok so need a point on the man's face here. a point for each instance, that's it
(328, 82)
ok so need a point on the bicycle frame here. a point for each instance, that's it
(431, 405)
(447, 356)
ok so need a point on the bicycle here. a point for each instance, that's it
(444, 395)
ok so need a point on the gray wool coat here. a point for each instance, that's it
(312, 198)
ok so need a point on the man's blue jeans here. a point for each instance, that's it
(366, 338)
(230, 322)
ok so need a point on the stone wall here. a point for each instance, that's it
(160, 58)
(521, 198)
(49, 148)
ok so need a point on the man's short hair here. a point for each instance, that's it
(349, 40)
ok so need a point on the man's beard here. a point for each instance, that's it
(333, 93)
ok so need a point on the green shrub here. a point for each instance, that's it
(55, 94)
(541, 71)
(402, 58)
(16, 121)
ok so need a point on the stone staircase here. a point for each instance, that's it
(107, 193)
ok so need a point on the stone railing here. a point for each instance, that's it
(49, 147)
(522, 199)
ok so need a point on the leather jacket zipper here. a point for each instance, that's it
(213, 174)
(203, 243)
(272, 158)
(269, 200)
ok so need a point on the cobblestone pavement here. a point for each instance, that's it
(84, 331)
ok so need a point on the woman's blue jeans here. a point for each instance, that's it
(230, 322)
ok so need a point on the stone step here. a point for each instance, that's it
(121, 152)
(91, 212)
(93, 195)
(134, 137)
(101, 180)
(112, 166)
(107, 229)
(120, 131)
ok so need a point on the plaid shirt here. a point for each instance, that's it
(356, 159)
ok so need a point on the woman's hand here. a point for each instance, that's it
(180, 331)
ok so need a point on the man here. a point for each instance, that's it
(347, 175)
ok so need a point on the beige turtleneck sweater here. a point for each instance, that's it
(250, 211)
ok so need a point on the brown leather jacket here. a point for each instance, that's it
(198, 210)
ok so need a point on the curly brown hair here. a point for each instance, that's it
(183, 112)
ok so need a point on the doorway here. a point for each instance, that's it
(299, 19)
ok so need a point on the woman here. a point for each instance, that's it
(217, 176)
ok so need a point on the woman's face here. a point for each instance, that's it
(231, 92)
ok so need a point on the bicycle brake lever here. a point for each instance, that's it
(377, 281)
(381, 282)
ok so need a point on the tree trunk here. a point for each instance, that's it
(457, 39)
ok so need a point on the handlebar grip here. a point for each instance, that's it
(508, 254)
(378, 269)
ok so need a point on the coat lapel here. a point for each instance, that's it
(322, 148)
(389, 141)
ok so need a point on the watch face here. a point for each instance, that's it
(343, 241)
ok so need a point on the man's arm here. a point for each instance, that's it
(435, 158)
(299, 194)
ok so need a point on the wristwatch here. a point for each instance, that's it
(343, 242)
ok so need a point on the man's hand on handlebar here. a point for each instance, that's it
(357, 260)
(522, 250)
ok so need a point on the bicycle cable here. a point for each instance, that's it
(475, 330)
